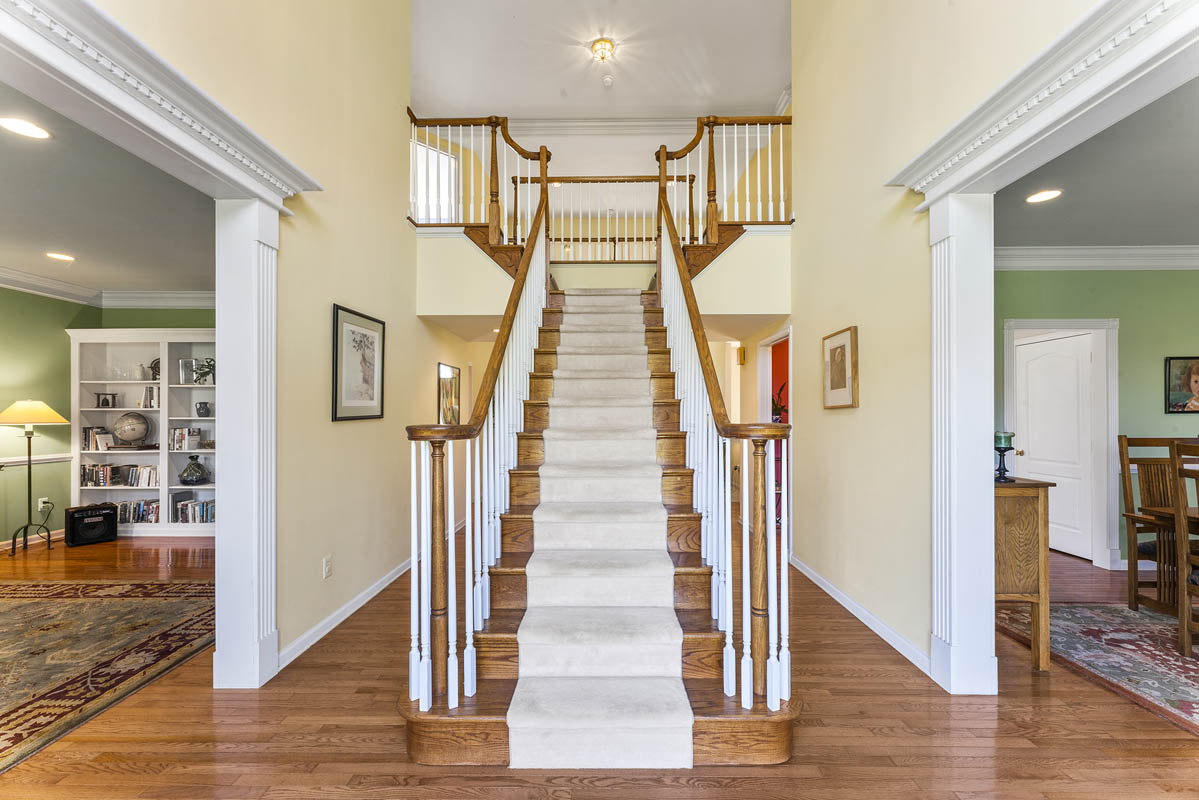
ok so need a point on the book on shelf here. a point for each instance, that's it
(88, 435)
(189, 510)
(150, 397)
(133, 512)
(102, 475)
(185, 438)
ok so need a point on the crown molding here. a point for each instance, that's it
(1080, 58)
(603, 127)
(1110, 324)
(158, 299)
(784, 100)
(126, 67)
(1097, 258)
(48, 287)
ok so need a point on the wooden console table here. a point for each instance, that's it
(1022, 555)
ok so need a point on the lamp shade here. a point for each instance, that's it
(31, 412)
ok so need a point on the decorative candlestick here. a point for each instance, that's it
(1003, 446)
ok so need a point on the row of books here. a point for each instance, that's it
(151, 397)
(145, 475)
(98, 439)
(190, 510)
(185, 438)
(137, 511)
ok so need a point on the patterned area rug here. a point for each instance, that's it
(70, 649)
(1131, 652)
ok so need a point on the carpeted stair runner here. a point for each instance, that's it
(600, 682)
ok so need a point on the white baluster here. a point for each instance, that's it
(770, 169)
(468, 574)
(772, 587)
(427, 212)
(758, 167)
(785, 582)
(485, 529)
(426, 663)
(747, 661)
(477, 507)
(414, 578)
(784, 131)
(729, 655)
(451, 660)
(722, 188)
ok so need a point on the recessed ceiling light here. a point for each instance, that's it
(60, 256)
(1043, 195)
(556, 184)
(23, 127)
(495, 330)
(602, 49)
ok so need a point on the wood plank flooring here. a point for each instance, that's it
(872, 726)
(134, 559)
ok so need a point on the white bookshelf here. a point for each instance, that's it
(108, 360)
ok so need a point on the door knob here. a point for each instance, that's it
(1019, 452)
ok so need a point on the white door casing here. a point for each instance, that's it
(1053, 431)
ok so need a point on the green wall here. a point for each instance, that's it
(35, 363)
(1156, 311)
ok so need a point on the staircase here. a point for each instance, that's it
(610, 570)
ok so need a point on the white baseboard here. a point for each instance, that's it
(888, 634)
(317, 632)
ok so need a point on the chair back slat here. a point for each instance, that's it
(1184, 466)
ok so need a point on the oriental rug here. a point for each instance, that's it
(70, 649)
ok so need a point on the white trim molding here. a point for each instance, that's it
(76, 59)
(1105, 516)
(1097, 258)
(885, 632)
(1073, 89)
(48, 287)
(44, 458)
(157, 299)
(308, 638)
(74, 293)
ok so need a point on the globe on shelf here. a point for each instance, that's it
(130, 428)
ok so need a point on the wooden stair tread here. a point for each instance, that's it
(514, 563)
(504, 622)
(526, 511)
(666, 470)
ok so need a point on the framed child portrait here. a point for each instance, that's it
(840, 351)
(1182, 385)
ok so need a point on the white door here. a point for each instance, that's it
(1054, 410)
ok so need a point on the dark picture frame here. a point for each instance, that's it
(1182, 385)
(449, 394)
(839, 354)
(359, 345)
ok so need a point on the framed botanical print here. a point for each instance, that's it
(357, 365)
(449, 394)
(840, 351)
(1182, 385)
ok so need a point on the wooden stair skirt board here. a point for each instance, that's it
(723, 733)
(701, 255)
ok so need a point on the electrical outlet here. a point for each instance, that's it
(326, 568)
(42, 502)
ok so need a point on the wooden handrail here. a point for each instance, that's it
(604, 179)
(706, 122)
(726, 428)
(500, 122)
(471, 429)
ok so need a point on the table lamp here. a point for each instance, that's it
(30, 413)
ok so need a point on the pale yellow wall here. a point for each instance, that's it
(455, 277)
(327, 84)
(753, 276)
(602, 276)
(876, 82)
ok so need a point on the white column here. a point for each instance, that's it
(961, 235)
(247, 639)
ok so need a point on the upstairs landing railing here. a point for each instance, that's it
(762, 560)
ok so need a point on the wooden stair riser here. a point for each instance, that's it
(557, 299)
(537, 415)
(541, 386)
(692, 587)
(682, 533)
(497, 655)
(547, 360)
(524, 486)
(552, 317)
(672, 449)
(550, 338)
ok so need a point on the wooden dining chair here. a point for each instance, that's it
(1155, 484)
(1184, 467)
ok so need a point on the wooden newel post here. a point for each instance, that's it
(712, 218)
(493, 204)
(438, 629)
(759, 615)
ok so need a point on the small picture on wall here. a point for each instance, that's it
(840, 352)
(449, 394)
(1182, 385)
(357, 365)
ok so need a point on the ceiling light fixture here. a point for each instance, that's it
(602, 49)
(60, 256)
(495, 330)
(1043, 195)
(23, 127)
(556, 184)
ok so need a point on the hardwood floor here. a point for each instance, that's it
(1077, 580)
(139, 559)
(872, 726)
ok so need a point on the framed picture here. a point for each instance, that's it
(1182, 385)
(357, 365)
(840, 351)
(449, 394)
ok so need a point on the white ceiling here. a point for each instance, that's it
(1136, 183)
(532, 59)
(130, 226)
